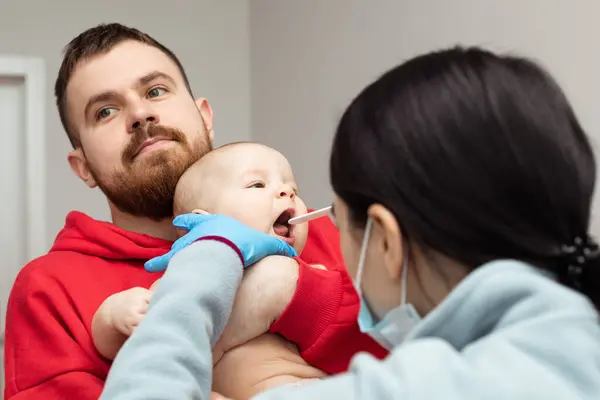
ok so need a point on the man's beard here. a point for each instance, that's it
(146, 186)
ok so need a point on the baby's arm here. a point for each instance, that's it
(261, 298)
(116, 319)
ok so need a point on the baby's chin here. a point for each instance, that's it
(300, 240)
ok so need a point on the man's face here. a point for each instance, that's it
(138, 126)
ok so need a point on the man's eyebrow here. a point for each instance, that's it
(109, 95)
(146, 79)
(104, 96)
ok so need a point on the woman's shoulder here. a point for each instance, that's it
(509, 295)
(518, 318)
(506, 331)
(513, 285)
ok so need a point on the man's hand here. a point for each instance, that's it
(265, 291)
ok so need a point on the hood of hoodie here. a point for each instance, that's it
(86, 235)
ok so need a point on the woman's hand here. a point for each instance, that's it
(252, 245)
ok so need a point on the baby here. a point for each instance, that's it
(247, 181)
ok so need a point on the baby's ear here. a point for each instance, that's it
(200, 211)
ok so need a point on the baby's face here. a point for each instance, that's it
(255, 185)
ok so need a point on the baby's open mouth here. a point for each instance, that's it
(281, 227)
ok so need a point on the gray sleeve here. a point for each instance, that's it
(496, 367)
(170, 354)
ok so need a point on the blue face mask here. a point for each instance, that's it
(398, 322)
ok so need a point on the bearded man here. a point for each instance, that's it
(126, 105)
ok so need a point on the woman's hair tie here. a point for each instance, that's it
(575, 258)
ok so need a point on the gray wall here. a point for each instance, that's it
(284, 70)
(211, 37)
(310, 57)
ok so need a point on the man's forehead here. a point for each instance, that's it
(118, 69)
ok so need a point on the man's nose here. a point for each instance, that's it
(141, 116)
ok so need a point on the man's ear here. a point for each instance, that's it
(80, 167)
(207, 116)
(391, 243)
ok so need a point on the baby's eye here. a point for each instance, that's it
(257, 185)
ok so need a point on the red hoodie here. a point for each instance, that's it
(49, 352)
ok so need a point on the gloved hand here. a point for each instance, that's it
(254, 245)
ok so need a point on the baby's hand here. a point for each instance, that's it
(126, 309)
(116, 319)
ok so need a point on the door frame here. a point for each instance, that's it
(32, 71)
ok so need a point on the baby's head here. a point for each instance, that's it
(249, 182)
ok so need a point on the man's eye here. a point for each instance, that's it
(156, 92)
(257, 185)
(104, 113)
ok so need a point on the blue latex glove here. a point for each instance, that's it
(254, 245)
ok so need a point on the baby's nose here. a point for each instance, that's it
(287, 192)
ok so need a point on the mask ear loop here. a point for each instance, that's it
(404, 278)
(363, 255)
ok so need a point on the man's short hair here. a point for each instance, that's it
(92, 42)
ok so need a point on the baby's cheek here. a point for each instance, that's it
(300, 235)
(257, 220)
(249, 214)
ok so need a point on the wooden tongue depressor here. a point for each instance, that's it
(310, 216)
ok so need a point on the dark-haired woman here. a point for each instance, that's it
(463, 185)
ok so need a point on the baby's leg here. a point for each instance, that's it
(260, 364)
(289, 380)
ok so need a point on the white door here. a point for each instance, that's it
(22, 176)
(12, 211)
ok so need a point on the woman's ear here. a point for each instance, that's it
(390, 246)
